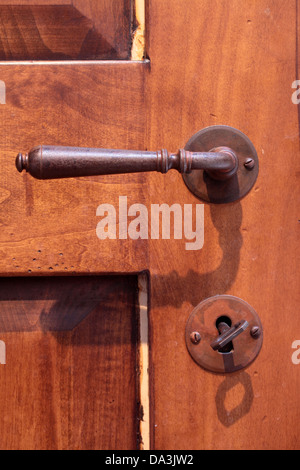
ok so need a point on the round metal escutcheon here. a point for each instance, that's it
(215, 191)
(204, 319)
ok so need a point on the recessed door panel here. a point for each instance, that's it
(70, 379)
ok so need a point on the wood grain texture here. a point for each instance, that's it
(69, 386)
(211, 63)
(65, 30)
(77, 388)
(52, 227)
(231, 64)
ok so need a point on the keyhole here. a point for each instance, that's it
(223, 323)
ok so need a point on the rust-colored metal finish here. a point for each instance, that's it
(228, 335)
(204, 184)
(217, 167)
(224, 348)
(50, 162)
(195, 337)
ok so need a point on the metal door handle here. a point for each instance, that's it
(49, 162)
(219, 163)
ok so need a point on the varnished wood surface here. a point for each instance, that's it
(51, 227)
(69, 386)
(76, 387)
(227, 63)
(64, 30)
(214, 62)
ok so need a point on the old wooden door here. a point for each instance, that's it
(69, 308)
(69, 331)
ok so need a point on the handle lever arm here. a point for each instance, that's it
(51, 162)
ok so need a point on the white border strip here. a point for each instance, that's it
(144, 361)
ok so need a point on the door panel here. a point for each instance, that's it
(70, 376)
(65, 30)
(51, 226)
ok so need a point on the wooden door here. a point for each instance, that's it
(69, 329)
(208, 62)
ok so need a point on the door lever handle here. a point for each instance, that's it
(217, 163)
(51, 162)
